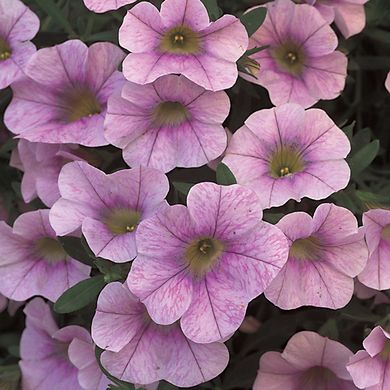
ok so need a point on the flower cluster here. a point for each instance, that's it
(176, 272)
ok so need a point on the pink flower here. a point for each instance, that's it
(387, 82)
(41, 164)
(308, 362)
(301, 64)
(205, 262)
(348, 15)
(326, 253)
(287, 153)
(141, 351)
(214, 163)
(64, 99)
(377, 230)
(18, 24)
(10, 305)
(170, 123)
(108, 208)
(180, 39)
(33, 262)
(81, 353)
(370, 368)
(44, 350)
(3, 303)
(100, 6)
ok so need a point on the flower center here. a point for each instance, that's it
(50, 249)
(317, 376)
(121, 221)
(290, 58)
(285, 162)
(169, 114)
(385, 235)
(180, 40)
(5, 50)
(78, 103)
(202, 254)
(305, 249)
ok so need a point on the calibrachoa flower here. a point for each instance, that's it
(348, 15)
(326, 253)
(3, 303)
(377, 230)
(41, 164)
(180, 39)
(18, 24)
(141, 351)
(364, 292)
(287, 153)
(108, 208)
(106, 5)
(64, 99)
(81, 353)
(204, 263)
(301, 64)
(44, 350)
(370, 368)
(308, 362)
(170, 123)
(33, 262)
(387, 82)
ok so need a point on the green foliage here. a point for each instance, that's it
(253, 19)
(225, 175)
(80, 295)
(212, 8)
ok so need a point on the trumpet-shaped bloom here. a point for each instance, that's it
(326, 253)
(377, 230)
(64, 98)
(45, 364)
(348, 15)
(205, 262)
(180, 39)
(141, 351)
(41, 164)
(81, 353)
(308, 362)
(108, 208)
(18, 25)
(300, 64)
(170, 123)
(33, 262)
(100, 6)
(370, 367)
(287, 153)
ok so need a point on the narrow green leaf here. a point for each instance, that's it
(184, 188)
(348, 130)
(357, 312)
(52, 9)
(255, 50)
(364, 157)
(212, 9)
(252, 20)
(80, 295)
(225, 175)
(329, 329)
(75, 248)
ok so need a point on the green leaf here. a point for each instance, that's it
(53, 10)
(80, 295)
(184, 188)
(74, 247)
(255, 50)
(329, 329)
(225, 175)
(348, 130)
(212, 9)
(252, 20)
(373, 200)
(364, 157)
